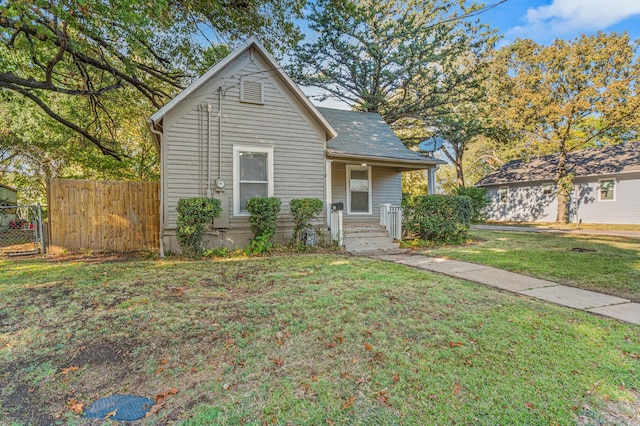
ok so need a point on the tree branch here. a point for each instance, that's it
(61, 120)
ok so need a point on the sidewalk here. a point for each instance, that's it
(514, 228)
(589, 301)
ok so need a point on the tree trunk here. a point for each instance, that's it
(563, 187)
(459, 174)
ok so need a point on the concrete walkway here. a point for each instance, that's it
(589, 301)
(514, 228)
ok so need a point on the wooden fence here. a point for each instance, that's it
(103, 216)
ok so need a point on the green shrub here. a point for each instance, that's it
(264, 214)
(194, 215)
(303, 211)
(438, 218)
(479, 200)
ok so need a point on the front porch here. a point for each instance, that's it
(363, 203)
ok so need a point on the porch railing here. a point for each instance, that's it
(336, 227)
(391, 219)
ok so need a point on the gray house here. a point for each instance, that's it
(246, 129)
(606, 187)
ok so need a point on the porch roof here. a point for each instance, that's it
(366, 136)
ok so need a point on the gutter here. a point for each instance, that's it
(396, 161)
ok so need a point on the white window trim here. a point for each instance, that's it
(369, 174)
(500, 195)
(615, 184)
(237, 149)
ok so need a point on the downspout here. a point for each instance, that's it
(220, 133)
(152, 128)
(209, 150)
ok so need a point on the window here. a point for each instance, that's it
(607, 190)
(547, 188)
(503, 194)
(252, 175)
(358, 189)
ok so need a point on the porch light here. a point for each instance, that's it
(364, 164)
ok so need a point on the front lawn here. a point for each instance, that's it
(313, 339)
(609, 265)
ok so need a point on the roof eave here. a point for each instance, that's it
(426, 163)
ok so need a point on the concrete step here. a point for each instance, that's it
(372, 253)
(364, 239)
(366, 236)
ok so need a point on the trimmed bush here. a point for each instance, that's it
(479, 200)
(438, 218)
(264, 214)
(194, 215)
(304, 210)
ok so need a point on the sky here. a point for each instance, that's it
(543, 21)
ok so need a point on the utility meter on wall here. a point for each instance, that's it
(219, 184)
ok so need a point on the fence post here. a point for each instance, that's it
(43, 250)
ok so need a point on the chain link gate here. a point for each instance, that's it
(21, 230)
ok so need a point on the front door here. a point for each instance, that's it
(358, 190)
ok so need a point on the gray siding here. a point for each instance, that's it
(527, 203)
(624, 209)
(282, 123)
(387, 188)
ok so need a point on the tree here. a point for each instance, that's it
(419, 64)
(567, 96)
(402, 59)
(34, 147)
(52, 50)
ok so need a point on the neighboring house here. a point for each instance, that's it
(8, 197)
(606, 188)
(246, 129)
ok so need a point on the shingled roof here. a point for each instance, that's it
(587, 162)
(365, 135)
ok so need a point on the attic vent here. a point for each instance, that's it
(251, 91)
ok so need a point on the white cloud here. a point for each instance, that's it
(573, 16)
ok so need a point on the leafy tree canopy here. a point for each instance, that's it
(400, 58)
(51, 51)
(567, 96)
(419, 64)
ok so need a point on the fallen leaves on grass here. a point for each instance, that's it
(282, 336)
(67, 370)
(383, 396)
(367, 346)
(161, 401)
(278, 361)
(456, 388)
(75, 406)
(348, 403)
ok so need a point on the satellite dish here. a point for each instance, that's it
(431, 144)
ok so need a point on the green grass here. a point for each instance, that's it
(583, 226)
(314, 339)
(600, 263)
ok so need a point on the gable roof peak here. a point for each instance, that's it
(252, 42)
